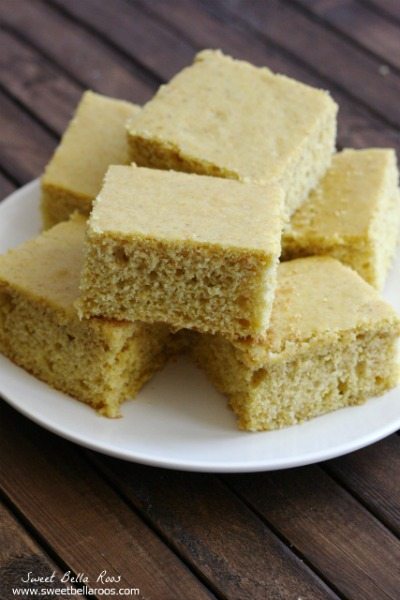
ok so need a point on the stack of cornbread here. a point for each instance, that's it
(220, 222)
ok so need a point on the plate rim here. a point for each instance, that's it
(195, 466)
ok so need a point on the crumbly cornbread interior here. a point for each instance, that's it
(227, 118)
(331, 343)
(94, 139)
(97, 361)
(353, 214)
(183, 249)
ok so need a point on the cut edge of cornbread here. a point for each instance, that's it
(253, 274)
(370, 251)
(300, 373)
(305, 166)
(195, 252)
(385, 234)
(94, 139)
(316, 151)
(58, 204)
(96, 364)
(99, 362)
(292, 392)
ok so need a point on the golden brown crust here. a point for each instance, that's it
(94, 139)
(353, 214)
(228, 118)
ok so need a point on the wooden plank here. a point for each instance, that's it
(25, 147)
(372, 474)
(360, 23)
(36, 83)
(221, 538)
(83, 55)
(20, 555)
(6, 187)
(357, 127)
(83, 521)
(390, 8)
(353, 550)
(336, 59)
(123, 23)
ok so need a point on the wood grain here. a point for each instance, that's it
(84, 56)
(25, 147)
(390, 8)
(361, 24)
(336, 59)
(357, 554)
(356, 127)
(237, 554)
(35, 82)
(20, 555)
(149, 43)
(81, 518)
(6, 186)
(372, 474)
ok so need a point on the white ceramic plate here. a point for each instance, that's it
(178, 420)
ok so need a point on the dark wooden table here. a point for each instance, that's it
(326, 531)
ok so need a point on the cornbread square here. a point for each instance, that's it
(331, 343)
(97, 361)
(227, 118)
(94, 139)
(352, 215)
(195, 252)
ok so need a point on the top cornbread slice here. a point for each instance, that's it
(352, 215)
(94, 139)
(196, 252)
(227, 118)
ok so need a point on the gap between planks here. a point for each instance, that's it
(27, 536)
(224, 10)
(328, 23)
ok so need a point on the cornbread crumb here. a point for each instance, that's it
(94, 139)
(97, 361)
(318, 356)
(195, 252)
(353, 214)
(227, 118)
